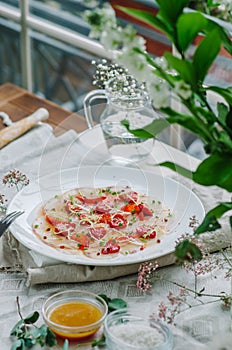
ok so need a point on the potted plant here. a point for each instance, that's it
(184, 77)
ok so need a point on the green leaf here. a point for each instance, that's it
(188, 26)
(215, 170)
(29, 343)
(105, 297)
(148, 18)
(17, 328)
(32, 318)
(170, 10)
(220, 209)
(187, 251)
(206, 53)
(50, 338)
(225, 39)
(35, 332)
(178, 168)
(222, 111)
(149, 131)
(116, 304)
(189, 122)
(18, 345)
(113, 304)
(229, 119)
(209, 223)
(65, 345)
(184, 68)
(99, 342)
(226, 93)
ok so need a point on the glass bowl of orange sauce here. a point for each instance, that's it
(74, 314)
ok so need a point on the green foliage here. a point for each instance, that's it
(188, 26)
(210, 222)
(114, 304)
(170, 10)
(215, 170)
(213, 127)
(205, 54)
(100, 342)
(187, 251)
(28, 334)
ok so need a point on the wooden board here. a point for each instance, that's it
(19, 103)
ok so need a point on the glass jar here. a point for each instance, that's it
(125, 329)
(126, 100)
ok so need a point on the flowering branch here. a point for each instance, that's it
(147, 274)
(15, 178)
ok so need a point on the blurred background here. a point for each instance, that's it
(44, 47)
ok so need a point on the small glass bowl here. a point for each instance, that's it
(72, 310)
(128, 331)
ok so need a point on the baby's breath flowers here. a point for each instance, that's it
(145, 274)
(187, 297)
(168, 312)
(15, 178)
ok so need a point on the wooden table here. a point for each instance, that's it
(19, 103)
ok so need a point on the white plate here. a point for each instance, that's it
(182, 202)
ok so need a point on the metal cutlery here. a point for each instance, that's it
(8, 219)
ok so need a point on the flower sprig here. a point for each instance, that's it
(15, 178)
(176, 303)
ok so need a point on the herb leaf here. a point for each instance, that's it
(116, 304)
(99, 342)
(29, 334)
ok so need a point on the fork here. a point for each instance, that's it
(8, 219)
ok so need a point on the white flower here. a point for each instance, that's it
(162, 62)
(159, 92)
(182, 89)
(136, 64)
(111, 39)
(130, 39)
(100, 19)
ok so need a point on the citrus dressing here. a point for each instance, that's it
(75, 314)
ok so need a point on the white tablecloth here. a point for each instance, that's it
(200, 327)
